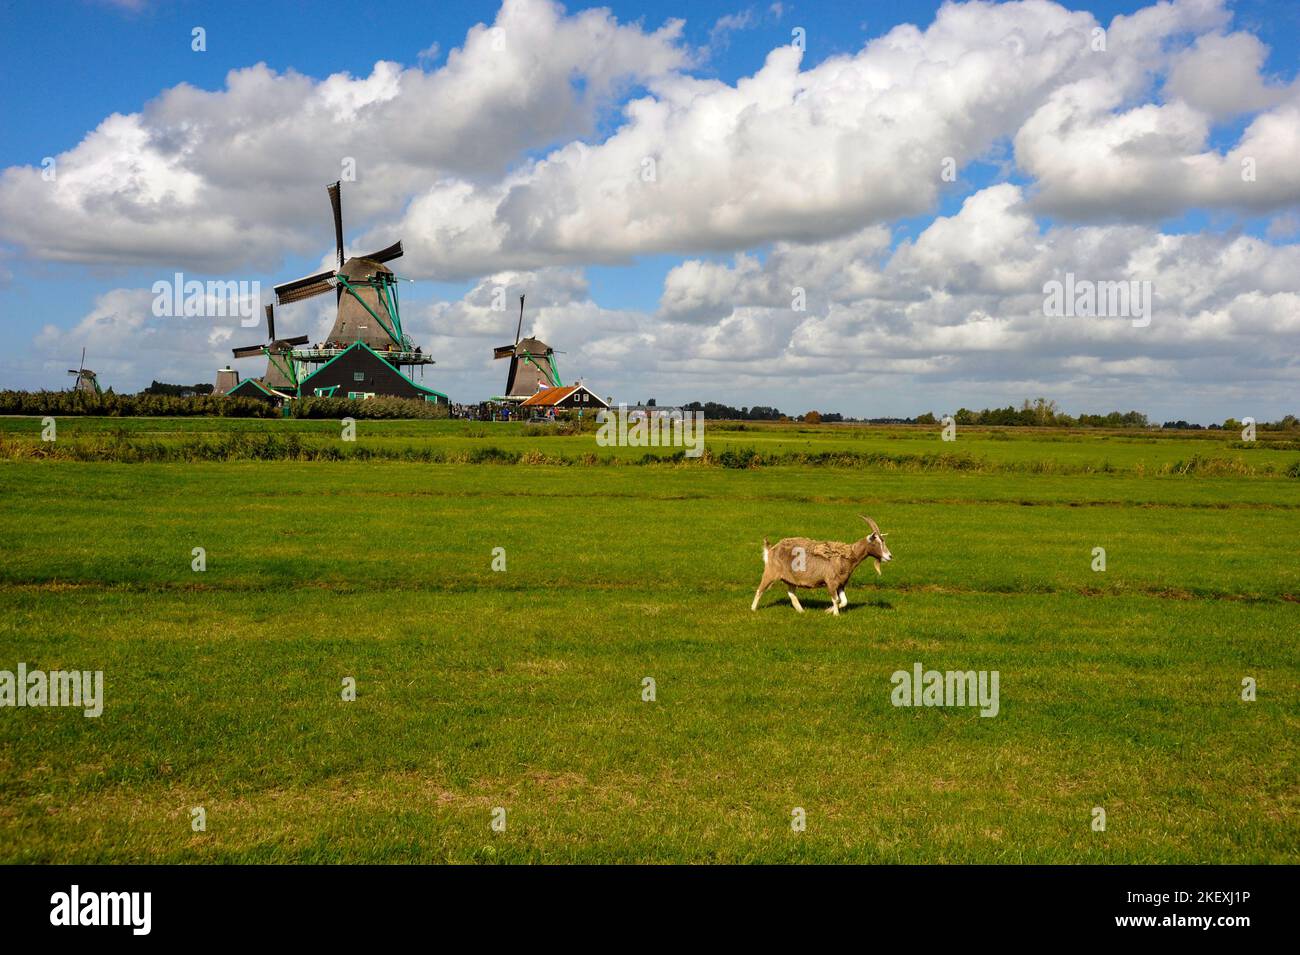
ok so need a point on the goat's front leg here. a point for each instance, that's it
(844, 598)
(835, 598)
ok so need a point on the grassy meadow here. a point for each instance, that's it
(523, 688)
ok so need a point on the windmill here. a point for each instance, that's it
(366, 293)
(280, 371)
(366, 349)
(87, 381)
(532, 363)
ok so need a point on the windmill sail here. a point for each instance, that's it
(303, 288)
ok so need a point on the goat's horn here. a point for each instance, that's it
(871, 522)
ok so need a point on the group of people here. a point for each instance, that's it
(498, 411)
(341, 346)
(483, 411)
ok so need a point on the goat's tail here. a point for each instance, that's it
(766, 548)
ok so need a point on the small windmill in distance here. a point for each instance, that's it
(280, 370)
(86, 379)
(532, 363)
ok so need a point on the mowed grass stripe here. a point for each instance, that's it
(394, 481)
(142, 538)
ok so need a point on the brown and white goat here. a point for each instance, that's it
(800, 562)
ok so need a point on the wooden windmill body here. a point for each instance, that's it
(87, 382)
(532, 364)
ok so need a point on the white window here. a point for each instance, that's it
(358, 376)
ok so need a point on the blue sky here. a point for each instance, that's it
(89, 59)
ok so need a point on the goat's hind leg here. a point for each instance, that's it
(794, 599)
(762, 586)
(844, 599)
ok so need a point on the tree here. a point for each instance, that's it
(812, 417)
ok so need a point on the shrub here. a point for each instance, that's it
(372, 408)
(132, 406)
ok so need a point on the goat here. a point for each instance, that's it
(800, 562)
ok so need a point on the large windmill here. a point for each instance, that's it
(366, 348)
(365, 290)
(281, 373)
(87, 382)
(532, 364)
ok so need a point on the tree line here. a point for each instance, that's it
(1038, 413)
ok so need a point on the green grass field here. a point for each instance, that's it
(522, 689)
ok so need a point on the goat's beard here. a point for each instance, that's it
(877, 563)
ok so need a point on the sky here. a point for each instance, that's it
(851, 207)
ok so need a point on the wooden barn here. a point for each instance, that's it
(566, 398)
(361, 372)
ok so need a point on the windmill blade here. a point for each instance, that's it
(74, 371)
(504, 351)
(520, 327)
(336, 203)
(302, 288)
(303, 293)
(394, 251)
(270, 323)
(83, 356)
(248, 351)
(290, 342)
